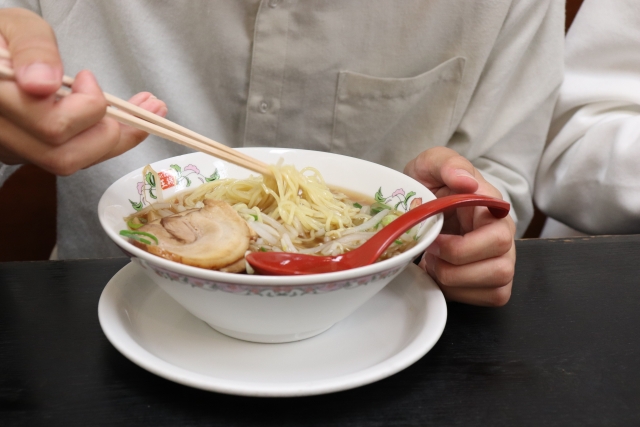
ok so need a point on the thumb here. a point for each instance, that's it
(440, 167)
(33, 49)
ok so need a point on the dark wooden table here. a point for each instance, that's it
(564, 351)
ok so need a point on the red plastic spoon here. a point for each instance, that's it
(289, 263)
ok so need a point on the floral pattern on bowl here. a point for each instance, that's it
(175, 177)
(266, 291)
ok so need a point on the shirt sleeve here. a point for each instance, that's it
(588, 176)
(504, 128)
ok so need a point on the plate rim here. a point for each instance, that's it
(118, 335)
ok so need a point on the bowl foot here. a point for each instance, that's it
(269, 339)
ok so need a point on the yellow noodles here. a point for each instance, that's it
(300, 199)
(294, 210)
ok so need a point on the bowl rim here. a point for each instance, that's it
(400, 260)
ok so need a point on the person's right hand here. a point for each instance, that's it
(62, 135)
(473, 259)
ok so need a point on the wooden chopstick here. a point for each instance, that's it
(137, 117)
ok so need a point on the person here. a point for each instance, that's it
(414, 85)
(587, 178)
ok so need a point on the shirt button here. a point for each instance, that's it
(263, 107)
(274, 3)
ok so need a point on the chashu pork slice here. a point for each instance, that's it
(212, 237)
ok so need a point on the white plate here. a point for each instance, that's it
(394, 329)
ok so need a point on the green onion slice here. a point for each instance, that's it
(136, 235)
(133, 225)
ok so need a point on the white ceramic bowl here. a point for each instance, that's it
(257, 308)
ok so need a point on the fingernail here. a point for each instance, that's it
(39, 72)
(434, 249)
(430, 262)
(153, 97)
(162, 112)
(462, 172)
(153, 106)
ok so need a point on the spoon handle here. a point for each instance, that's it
(377, 244)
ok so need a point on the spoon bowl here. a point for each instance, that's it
(289, 263)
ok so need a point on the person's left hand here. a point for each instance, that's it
(473, 259)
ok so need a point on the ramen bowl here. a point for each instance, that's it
(267, 309)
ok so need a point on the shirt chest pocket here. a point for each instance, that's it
(391, 120)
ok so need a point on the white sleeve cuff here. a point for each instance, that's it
(6, 171)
